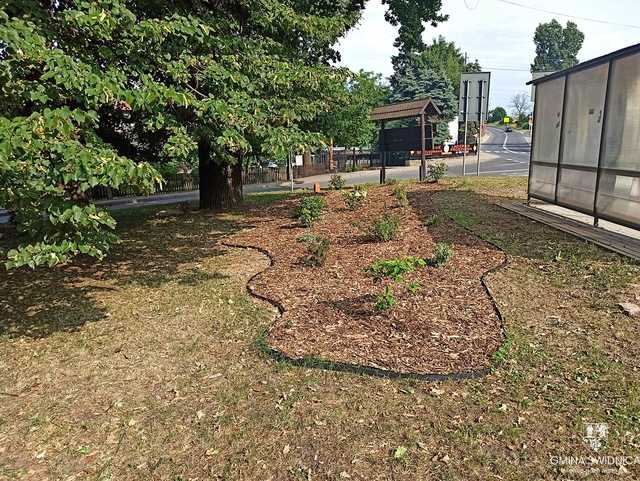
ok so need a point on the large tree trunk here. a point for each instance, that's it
(220, 184)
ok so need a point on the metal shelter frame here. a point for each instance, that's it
(422, 108)
(584, 148)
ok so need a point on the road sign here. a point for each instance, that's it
(506, 120)
(474, 95)
(474, 106)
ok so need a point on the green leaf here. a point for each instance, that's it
(400, 452)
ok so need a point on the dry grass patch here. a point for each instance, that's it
(143, 368)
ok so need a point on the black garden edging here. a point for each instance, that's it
(318, 363)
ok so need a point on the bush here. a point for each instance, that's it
(433, 221)
(395, 268)
(437, 171)
(442, 255)
(385, 300)
(400, 193)
(386, 227)
(317, 249)
(337, 182)
(354, 199)
(309, 210)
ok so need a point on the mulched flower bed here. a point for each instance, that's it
(448, 326)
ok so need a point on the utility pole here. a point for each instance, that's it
(481, 91)
(466, 108)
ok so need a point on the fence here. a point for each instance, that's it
(344, 161)
(585, 138)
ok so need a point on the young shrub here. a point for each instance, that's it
(385, 301)
(414, 287)
(309, 210)
(442, 255)
(317, 249)
(337, 182)
(400, 193)
(385, 227)
(437, 171)
(433, 221)
(354, 198)
(394, 268)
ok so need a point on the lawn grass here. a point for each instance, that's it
(144, 366)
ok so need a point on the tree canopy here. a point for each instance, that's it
(410, 15)
(92, 92)
(418, 82)
(497, 114)
(445, 57)
(348, 123)
(557, 48)
(521, 105)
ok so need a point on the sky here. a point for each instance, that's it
(498, 34)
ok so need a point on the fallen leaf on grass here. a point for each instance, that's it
(437, 392)
(400, 452)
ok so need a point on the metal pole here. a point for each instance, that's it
(531, 151)
(466, 109)
(423, 166)
(603, 137)
(481, 92)
(383, 155)
(561, 140)
(291, 170)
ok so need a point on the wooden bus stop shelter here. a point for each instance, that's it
(424, 109)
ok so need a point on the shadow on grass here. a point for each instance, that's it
(157, 247)
(515, 234)
(567, 259)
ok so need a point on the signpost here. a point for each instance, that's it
(474, 104)
(506, 120)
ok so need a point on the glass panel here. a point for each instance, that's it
(583, 116)
(543, 181)
(549, 96)
(576, 188)
(622, 138)
(619, 197)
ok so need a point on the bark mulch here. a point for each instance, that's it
(448, 326)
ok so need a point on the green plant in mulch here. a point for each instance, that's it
(394, 268)
(442, 255)
(433, 220)
(354, 199)
(400, 193)
(437, 171)
(385, 227)
(385, 301)
(414, 287)
(309, 210)
(337, 182)
(317, 249)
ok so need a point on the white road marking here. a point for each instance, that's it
(504, 146)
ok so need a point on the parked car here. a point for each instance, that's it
(508, 129)
(269, 164)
